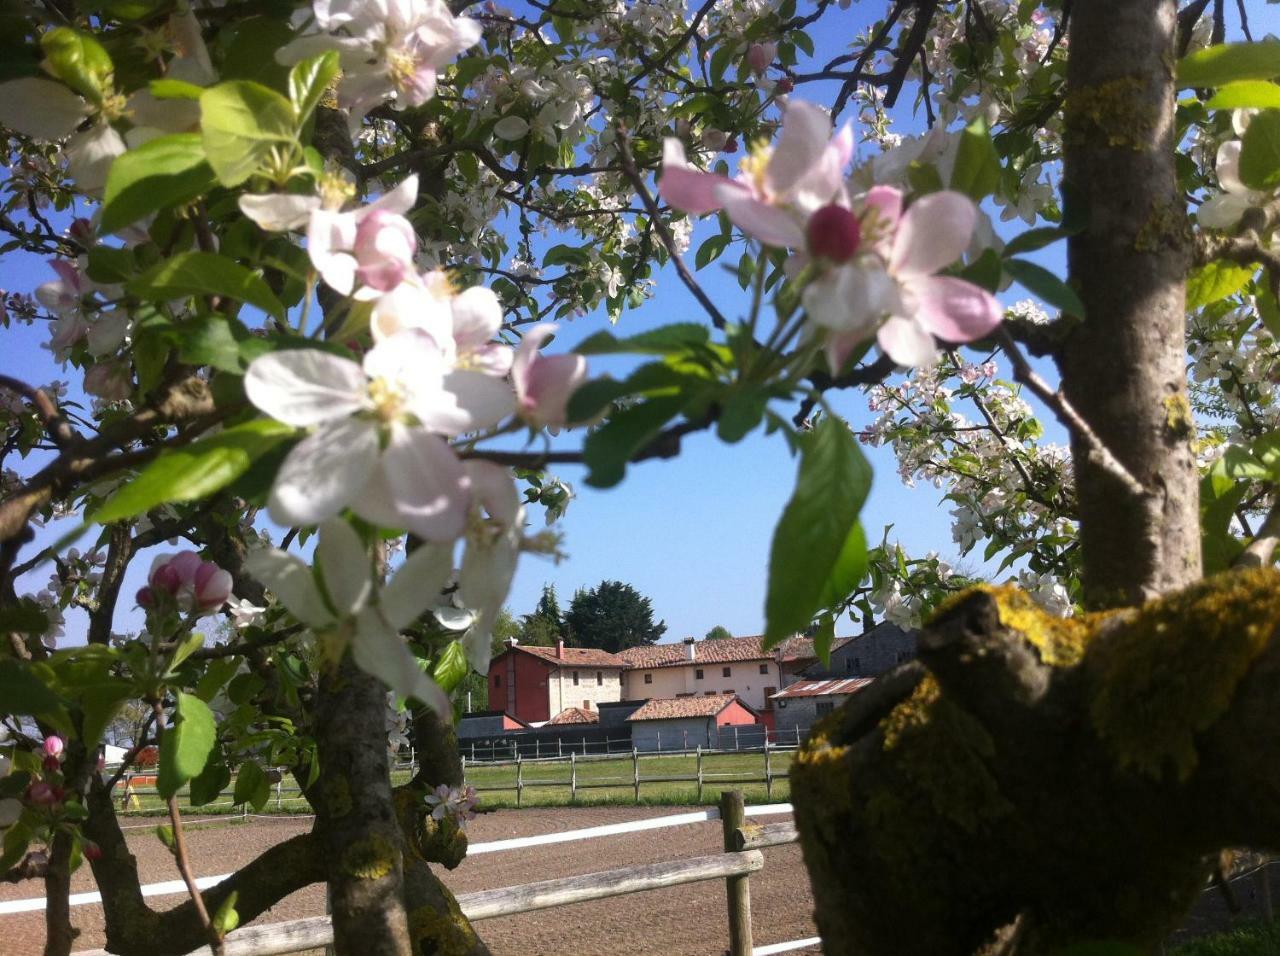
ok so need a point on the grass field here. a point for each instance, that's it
(1247, 939)
(547, 784)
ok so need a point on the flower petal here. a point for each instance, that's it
(279, 212)
(399, 200)
(324, 473)
(378, 650)
(806, 130)
(1222, 211)
(686, 188)
(420, 485)
(305, 386)
(470, 400)
(39, 108)
(953, 309)
(493, 487)
(770, 224)
(417, 584)
(477, 316)
(1228, 167)
(344, 567)
(852, 299)
(933, 233)
(290, 579)
(907, 343)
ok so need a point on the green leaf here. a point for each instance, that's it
(977, 167)
(824, 637)
(1228, 62)
(309, 79)
(200, 469)
(1034, 239)
(100, 705)
(78, 60)
(1215, 281)
(189, 645)
(849, 569)
(205, 273)
(451, 667)
(24, 688)
(217, 341)
(608, 448)
(241, 122)
(216, 677)
(170, 89)
(592, 397)
(186, 746)
(251, 785)
(812, 540)
(167, 171)
(16, 840)
(711, 250)
(208, 785)
(1260, 152)
(741, 414)
(1043, 283)
(664, 340)
(1246, 94)
(25, 617)
(226, 918)
(111, 266)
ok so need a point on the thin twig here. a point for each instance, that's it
(47, 410)
(1244, 21)
(1263, 547)
(629, 170)
(1066, 413)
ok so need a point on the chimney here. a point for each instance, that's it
(560, 649)
(690, 649)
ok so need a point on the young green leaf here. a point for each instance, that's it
(451, 667)
(812, 539)
(1246, 94)
(1227, 62)
(226, 918)
(167, 171)
(185, 747)
(241, 122)
(309, 79)
(664, 340)
(251, 785)
(205, 273)
(977, 169)
(203, 467)
(608, 449)
(1215, 281)
(208, 785)
(1043, 283)
(1260, 152)
(24, 688)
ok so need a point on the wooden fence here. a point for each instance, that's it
(743, 841)
(731, 739)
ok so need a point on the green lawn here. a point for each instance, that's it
(546, 784)
(1248, 939)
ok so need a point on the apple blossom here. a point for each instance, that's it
(351, 612)
(53, 746)
(390, 49)
(464, 324)
(41, 793)
(186, 580)
(376, 447)
(544, 383)
(374, 243)
(1224, 210)
(494, 542)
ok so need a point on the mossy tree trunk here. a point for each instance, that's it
(1031, 783)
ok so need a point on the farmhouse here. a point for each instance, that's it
(536, 683)
(800, 706)
(687, 722)
(870, 654)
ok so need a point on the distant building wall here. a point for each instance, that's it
(595, 686)
(744, 679)
(802, 713)
(879, 650)
(673, 734)
(518, 685)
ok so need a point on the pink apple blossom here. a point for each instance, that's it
(760, 56)
(544, 383)
(374, 244)
(187, 581)
(53, 746)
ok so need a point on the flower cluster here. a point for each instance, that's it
(453, 803)
(186, 582)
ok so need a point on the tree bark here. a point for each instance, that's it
(1123, 365)
(355, 815)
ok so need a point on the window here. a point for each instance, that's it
(768, 697)
(575, 678)
(648, 678)
(824, 707)
(710, 693)
(697, 674)
(902, 656)
(764, 668)
(599, 678)
(686, 695)
(848, 665)
(728, 671)
(497, 680)
(586, 705)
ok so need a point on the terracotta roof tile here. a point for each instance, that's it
(575, 656)
(575, 715)
(824, 688)
(723, 651)
(707, 706)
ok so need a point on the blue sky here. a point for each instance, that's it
(691, 533)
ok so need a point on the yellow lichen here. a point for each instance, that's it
(1171, 671)
(370, 859)
(1116, 112)
(447, 933)
(1059, 641)
(1177, 416)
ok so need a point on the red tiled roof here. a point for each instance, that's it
(723, 651)
(575, 715)
(707, 706)
(824, 688)
(575, 656)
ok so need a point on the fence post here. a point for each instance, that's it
(279, 787)
(635, 769)
(684, 744)
(537, 748)
(464, 769)
(559, 746)
(768, 769)
(659, 733)
(736, 748)
(699, 773)
(573, 777)
(737, 889)
(519, 779)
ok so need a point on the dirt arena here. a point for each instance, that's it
(682, 921)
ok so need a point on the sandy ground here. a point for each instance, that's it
(682, 921)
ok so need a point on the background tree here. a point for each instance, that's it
(611, 616)
(545, 625)
(717, 633)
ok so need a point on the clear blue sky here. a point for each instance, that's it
(691, 533)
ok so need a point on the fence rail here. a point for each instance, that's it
(500, 748)
(734, 866)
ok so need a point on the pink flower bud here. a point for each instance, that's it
(51, 764)
(53, 746)
(43, 794)
(384, 247)
(81, 232)
(544, 383)
(732, 145)
(212, 587)
(784, 86)
(91, 851)
(166, 580)
(760, 55)
(145, 597)
(834, 233)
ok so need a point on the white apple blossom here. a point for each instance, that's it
(353, 612)
(377, 445)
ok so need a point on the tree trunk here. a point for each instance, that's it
(355, 815)
(1123, 366)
